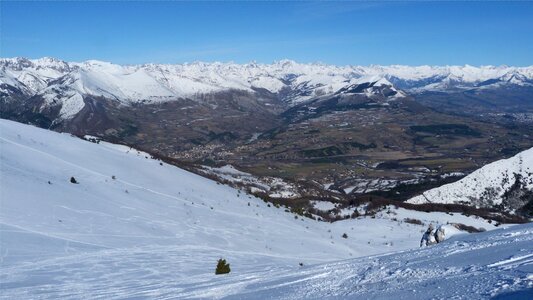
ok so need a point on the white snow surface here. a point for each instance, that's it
(166, 82)
(276, 187)
(323, 205)
(496, 265)
(498, 175)
(156, 231)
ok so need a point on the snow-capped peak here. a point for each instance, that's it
(165, 82)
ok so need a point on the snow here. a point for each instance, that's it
(271, 84)
(481, 266)
(277, 187)
(134, 227)
(328, 185)
(229, 173)
(72, 106)
(284, 194)
(349, 189)
(323, 205)
(437, 218)
(365, 185)
(498, 175)
(160, 82)
(229, 169)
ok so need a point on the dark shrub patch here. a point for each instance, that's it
(323, 152)
(469, 229)
(413, 221)
(453, 129)
(222, 267)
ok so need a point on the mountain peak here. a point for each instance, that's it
(164, 82)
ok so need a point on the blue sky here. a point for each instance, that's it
(360, 33)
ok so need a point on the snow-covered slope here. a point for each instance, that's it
(146, 204)
(66, 82)
(486, 186)
(135, 227)
(495, 264)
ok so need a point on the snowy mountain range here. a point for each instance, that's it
(67, 83)
(132, 226)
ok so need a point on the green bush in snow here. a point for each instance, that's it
(222, 267)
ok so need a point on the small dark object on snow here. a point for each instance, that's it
(413, 221)
(113, 177)
(73, 180)
(49, 182)
(301, 264)
(344, 235)
(222, 267)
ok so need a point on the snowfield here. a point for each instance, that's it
(134, 227)
(495, 264)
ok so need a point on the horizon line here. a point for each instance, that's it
(231, 62)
